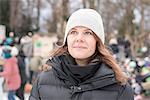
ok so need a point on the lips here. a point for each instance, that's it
(82, 47)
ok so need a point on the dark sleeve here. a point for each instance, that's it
(126, 93)
(34, 95)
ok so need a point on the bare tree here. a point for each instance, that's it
(54, 19)
(89, 4)
(23, 17)
(64, 8)
(5, 13)
(38, 14)
(60, 12)
(15, 15)
(135, 32)
(92, 4)
(142, 34)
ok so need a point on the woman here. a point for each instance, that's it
(82, 69)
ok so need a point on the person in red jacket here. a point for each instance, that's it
(11, 74)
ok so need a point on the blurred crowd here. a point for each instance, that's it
(137, 68)
(19, 67)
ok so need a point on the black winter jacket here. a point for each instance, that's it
(54, 85)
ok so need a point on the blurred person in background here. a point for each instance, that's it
(1, 70)
(11, 71)
(127, 48)
(27, 47)
(82, 68)
(113, 43)
(21, 64)
(35, 63)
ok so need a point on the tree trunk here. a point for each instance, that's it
(38, 14)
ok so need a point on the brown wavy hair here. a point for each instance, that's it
(105, 56)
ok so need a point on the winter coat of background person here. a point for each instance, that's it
(35, 63)
(27, 46)
(21, 65)
(1, 69)
(82, 68)
(11, 72)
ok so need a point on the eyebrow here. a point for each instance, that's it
(73, 29)
(84, 30)
(89, 30)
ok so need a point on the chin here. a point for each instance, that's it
(79, 56)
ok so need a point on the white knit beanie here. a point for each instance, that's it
(88, 18)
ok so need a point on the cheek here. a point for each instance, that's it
(92, 48)
(91, 43)
(69, 41)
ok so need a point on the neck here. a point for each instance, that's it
(82, 62)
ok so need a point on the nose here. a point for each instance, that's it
(80, 37)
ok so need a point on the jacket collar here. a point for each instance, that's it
(103, 77)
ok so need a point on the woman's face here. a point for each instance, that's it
(81, 43)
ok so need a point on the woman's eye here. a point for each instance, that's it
(73, 32)
(88, 33)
